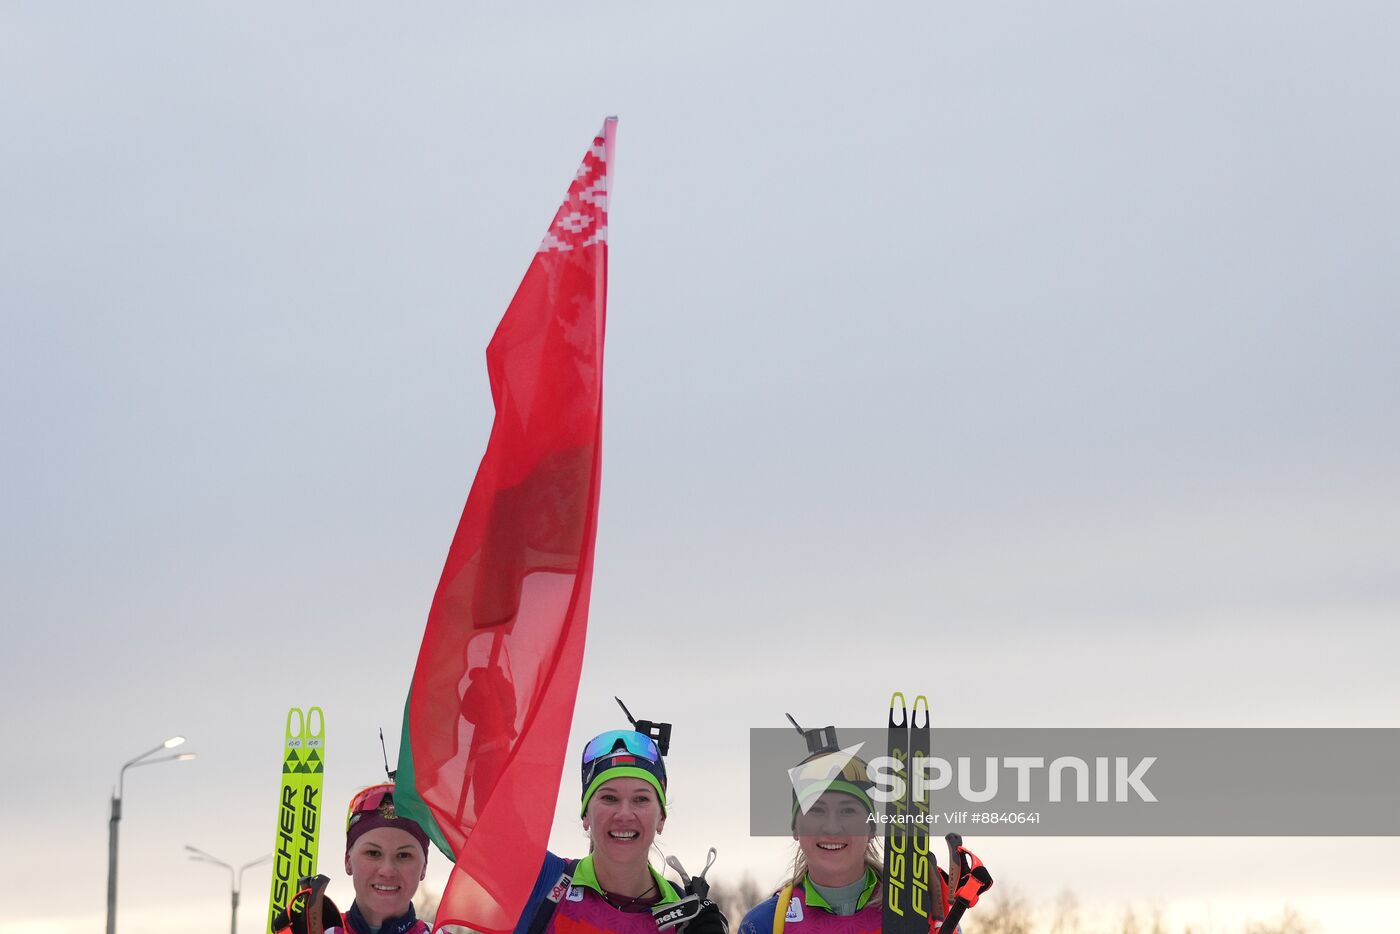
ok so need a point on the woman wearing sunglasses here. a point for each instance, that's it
(615, 888)
(834, 885)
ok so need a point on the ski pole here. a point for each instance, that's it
(972, 880)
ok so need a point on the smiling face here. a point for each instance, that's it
(833, 835)
(623, 818)
(386, 865)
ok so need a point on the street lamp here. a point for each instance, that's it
(143, 759)
(235, 877)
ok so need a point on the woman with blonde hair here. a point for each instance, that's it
(836, 882)
(834, 886)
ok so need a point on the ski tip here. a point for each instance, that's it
(954, 839)
(320, 718)
(920, 705)
(300, 718)
(899, 713)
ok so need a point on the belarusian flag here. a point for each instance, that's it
(487, 718)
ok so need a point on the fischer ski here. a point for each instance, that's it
(298, 807)
(921, 906)
(920, 897)
(899, 916)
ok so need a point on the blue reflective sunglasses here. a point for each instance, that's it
(604, 744)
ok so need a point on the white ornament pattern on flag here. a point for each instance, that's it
(582, 220)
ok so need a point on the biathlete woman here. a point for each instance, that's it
(834, 886)
(614, 888)
(386, 857)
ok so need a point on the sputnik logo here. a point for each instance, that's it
(811, 779)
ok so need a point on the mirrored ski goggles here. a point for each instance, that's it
(369, 800)
(605, 744)
(623, 754)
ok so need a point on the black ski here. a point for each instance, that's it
(899, 916)
(922, 905)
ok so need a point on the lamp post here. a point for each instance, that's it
(143, 759)
(235, 877)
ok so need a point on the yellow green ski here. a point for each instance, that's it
(298, 806)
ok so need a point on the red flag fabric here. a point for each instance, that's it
(487, 718)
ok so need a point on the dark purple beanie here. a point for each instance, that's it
(374, 807)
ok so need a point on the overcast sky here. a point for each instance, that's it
(1040, 356)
